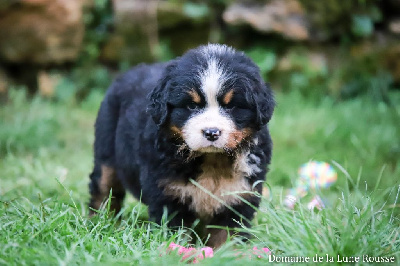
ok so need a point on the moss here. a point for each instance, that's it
(338, 18)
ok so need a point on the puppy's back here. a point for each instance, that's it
(133, 86)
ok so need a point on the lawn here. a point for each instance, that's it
(46, 156)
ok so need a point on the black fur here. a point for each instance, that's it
(133, 136)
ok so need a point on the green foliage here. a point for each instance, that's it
(313, 75)
(344, 19)
(361, 76)
(164, 52)
(297, 70)
(264, 58)
(81, 81)
(26, 131)
(195, 10)
(98, 21)
(362, 25)
(5, 4)
(303, 73)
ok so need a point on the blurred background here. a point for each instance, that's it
(331, 47)
(334, 65)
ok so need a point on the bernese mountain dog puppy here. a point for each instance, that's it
(189, 138)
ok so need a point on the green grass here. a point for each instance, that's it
(46, 156)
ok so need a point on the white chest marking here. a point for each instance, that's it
(219, 184)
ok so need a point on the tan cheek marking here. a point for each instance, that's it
(237, 136)
(228, 97)
(195, 96)
(176, 131)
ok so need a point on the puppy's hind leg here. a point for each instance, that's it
(104, 176)
(103, 179)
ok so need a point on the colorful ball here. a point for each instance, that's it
(316, 175)
(313, 175)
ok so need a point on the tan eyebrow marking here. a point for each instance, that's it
(195, 96)
(228, 97)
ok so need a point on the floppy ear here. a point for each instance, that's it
(158, 108)
(265, 104)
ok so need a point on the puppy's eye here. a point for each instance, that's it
(193, 106)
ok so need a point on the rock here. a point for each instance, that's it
(41, 31)
(135, 37)
(394, 26)
(139, 22)
(4, 85)
(283, 17)
(133, 10)
(47, 83)
(4, 82)
(168, 13)
(88, 3)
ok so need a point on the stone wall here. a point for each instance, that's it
(41, 31)
(37, 36)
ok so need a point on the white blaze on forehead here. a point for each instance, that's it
(212, 79)
(213, 76)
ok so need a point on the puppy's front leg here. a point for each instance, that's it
(229, 220)
(177, 213)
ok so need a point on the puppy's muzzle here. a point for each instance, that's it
(211, 134)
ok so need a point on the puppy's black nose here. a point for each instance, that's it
(211, 134)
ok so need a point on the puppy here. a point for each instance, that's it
(189, 137)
